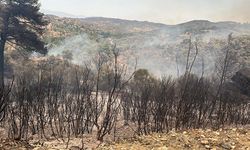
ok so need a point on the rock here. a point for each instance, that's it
(173, 133)
(204, 142)
(163, 148)
(227, 146)
(208, 130)
(217, 133)
(163, 139)
(213, 139)
(207, 147)
(187, 146)
(74, 148)
(234, 129)
(39, 148)
(102, 144)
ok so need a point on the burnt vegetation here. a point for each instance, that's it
(52, 97)
(55, 98)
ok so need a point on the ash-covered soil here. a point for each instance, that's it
(198, 139)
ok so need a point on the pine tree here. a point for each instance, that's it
(22, 25)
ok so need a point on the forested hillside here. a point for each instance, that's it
(157, 47)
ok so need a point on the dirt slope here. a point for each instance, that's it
(194, 139)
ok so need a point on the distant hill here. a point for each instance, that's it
(59, 14)
(155, 45)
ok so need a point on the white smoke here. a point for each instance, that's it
(81, 46)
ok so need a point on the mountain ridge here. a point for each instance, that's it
(67, 15)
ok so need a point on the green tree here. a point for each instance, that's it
(143, 78)
(21, 24)
(142, 75)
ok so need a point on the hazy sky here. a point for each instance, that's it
(164, 11)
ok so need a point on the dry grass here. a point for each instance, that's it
(231, 138)
(198, 139)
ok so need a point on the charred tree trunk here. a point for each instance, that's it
(2, 97)
(2, 45)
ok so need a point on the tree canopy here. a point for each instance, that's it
(21, 24)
